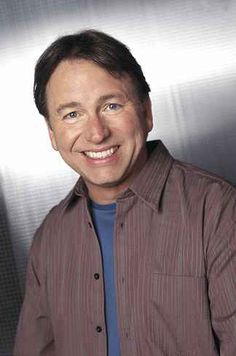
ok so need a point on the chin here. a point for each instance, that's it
(105, 182)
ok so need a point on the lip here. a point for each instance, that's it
(100, 149)
(101, 156)
(101, 153)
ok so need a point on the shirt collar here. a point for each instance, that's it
(149, 183)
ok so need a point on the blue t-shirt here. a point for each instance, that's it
(103, 218)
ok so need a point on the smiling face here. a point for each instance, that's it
(98, 125)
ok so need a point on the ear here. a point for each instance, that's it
(148, 113)
(52, 137)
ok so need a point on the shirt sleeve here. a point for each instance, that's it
(221, 266)
(34, 333)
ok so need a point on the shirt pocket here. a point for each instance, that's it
(179, 313)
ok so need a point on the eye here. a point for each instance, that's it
(71, 115)
(113, 107)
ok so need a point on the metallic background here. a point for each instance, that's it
(187, 50)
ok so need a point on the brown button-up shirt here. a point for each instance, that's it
(175, 270)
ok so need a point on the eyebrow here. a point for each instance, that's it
(71, 105)
(111, 96)
(101, 99)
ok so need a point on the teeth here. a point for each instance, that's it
(101, 154)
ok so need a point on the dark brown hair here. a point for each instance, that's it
(95, 46)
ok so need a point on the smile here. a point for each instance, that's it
(101, 154)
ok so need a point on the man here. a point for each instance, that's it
(139, 259)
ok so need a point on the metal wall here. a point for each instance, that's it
(187, 50)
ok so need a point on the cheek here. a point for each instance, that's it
(66, 138)
(61, 140)
(129, 126)
(138, 130)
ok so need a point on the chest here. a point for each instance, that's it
(159, 272)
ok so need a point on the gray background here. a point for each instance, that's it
(187, 50)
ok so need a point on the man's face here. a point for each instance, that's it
(97, 123)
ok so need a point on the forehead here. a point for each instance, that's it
(85, 74)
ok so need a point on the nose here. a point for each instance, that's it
(97, 130)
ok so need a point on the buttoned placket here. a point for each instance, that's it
(123, 303)
(98, 293)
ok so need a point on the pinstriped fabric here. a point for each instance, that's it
(175, 270)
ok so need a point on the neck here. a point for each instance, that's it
(106, 195)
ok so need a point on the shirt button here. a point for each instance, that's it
(98, 329)
(90, 225)
(96, 275)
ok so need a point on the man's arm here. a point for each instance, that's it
(34, 334)
(221, 266)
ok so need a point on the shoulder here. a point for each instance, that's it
(49, 230)
(196, 179)
(208, 195)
